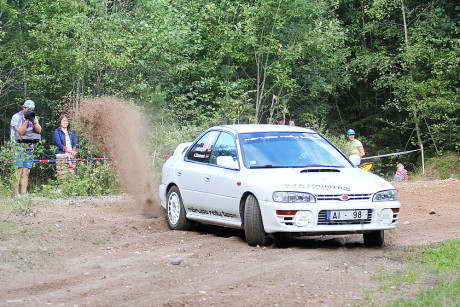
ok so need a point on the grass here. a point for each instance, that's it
(392, 281)
(444, 294)
(442, 167)
(9, 229)
(14, 207)
(103, 241)
(434, 269)
(443, 257)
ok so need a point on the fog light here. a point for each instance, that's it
(386, 216)
(303, 218)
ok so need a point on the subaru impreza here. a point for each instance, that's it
(272, 179)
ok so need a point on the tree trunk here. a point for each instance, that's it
(419, 139)
(414, 112)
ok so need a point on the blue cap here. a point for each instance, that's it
(350, 132)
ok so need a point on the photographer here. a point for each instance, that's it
(21, 123)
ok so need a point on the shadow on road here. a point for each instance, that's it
(287, 240)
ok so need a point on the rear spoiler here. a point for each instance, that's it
(180, 149)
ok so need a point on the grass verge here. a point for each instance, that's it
(431, 278)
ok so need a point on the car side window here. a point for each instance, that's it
(224, 146)
(201, 151)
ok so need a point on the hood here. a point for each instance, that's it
(323, 180)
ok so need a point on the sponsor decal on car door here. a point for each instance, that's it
(210, 190)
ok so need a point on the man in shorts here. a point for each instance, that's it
(24, 151)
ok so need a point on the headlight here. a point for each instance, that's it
(293, 197)
(388, 195)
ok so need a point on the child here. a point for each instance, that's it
(401, 173)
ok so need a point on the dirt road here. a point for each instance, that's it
(104, 251)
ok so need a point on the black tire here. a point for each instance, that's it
(253, 224)
(374, 239)
(175, 211)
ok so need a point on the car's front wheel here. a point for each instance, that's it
(175, 210)
(253, 224)
(374, 239)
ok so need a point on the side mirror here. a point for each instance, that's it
(355, 159)
(227, 162)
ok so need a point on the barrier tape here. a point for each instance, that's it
(167, 156)
(392, 154)
(68, 160)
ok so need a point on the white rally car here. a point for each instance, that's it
(269, 179)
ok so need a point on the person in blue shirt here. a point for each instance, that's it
(66, 141)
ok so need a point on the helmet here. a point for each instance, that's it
(350, 132)
(29, 104)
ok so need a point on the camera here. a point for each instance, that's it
(29, 115)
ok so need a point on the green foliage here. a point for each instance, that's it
(403, 81)
(340, 141)
(14, 207)
(444, 166)
(10, 229)
(439, 262)
(7, 170)
(90, 179)
(330, 64)
(398, 279)
(442, 257)
(164, 139)
(443, 294)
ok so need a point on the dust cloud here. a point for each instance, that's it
(118, 129)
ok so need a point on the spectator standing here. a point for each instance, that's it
(66, 141)
(21, 123)
(401, 173)
(291, 122)
(355, 147)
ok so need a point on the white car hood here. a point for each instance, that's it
(322, 180)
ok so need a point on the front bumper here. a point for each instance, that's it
(312, 220)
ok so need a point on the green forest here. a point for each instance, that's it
(389, 69)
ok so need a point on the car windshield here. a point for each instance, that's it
(289, 149)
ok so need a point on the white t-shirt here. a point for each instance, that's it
(353, 147)
(67, 141)
(17, 120)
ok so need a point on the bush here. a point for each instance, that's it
(443, 167)
(90, 179)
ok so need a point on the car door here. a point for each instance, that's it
(190, 176)
(223, 182)
(210, 191)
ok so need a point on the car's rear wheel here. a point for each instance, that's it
(374, 239)
(175, 210)
(253, 224)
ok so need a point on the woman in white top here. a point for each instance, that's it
(66, 141)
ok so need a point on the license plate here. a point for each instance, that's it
(346, 215)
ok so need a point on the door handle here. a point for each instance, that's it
(207, 178)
